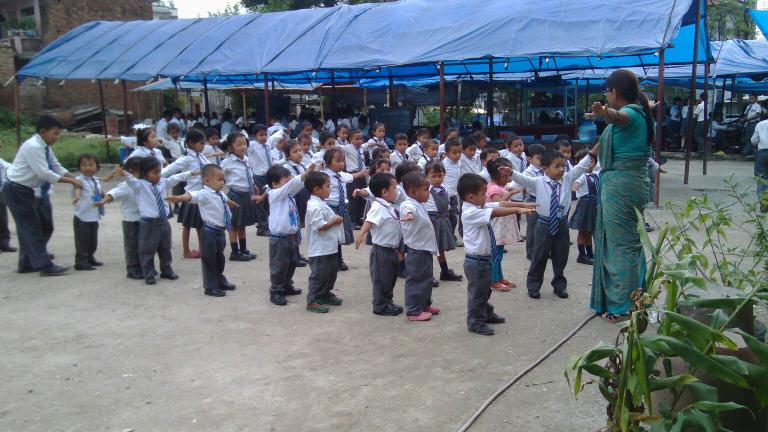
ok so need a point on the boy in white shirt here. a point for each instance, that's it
(452, 164)
(480, 245)
(261, 159)
(419, 237)
(488, 154)
(354, 157)
(400, 154)
(533, 170)
(383, 221)
(469, 163)
(429, 153)
(129, 209)
(551, 236)
(416, 150)
(323, 232)
(88, 210)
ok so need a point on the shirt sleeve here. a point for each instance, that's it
(524, 180)
(197, 196)
(579, 169)
(374, 215)
(174, 168)
(178, 178)
(316, 218)
(4, 164)
(474, 216)
(120, 192)
(35, 157)
(346, 177)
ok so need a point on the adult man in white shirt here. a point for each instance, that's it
(700, 131)
(35, 166)
(749, 120)
(760, 140)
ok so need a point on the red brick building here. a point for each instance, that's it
(30, 25)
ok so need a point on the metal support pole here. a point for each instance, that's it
(17, 100)
(334, 107)
(127, 123)
(365, 100)
(458, 101)
(103, 110)
(442, 103)
(659, 125)
(206, 102)
(266, 100)
(692, 94)
(245, 110)
(176, 94)
(705, 150)
(489, 101)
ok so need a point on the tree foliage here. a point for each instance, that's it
(229, 10)
(728, 19)
(284, 5)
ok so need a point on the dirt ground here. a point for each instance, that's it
(94, 351)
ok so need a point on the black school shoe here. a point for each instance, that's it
(248, 254)
(135, 276)
(292, 291)
(169, 276)
(278, 299)
(299, 263)
(495, 319)
(482, 330)
(435, 283)
(343, 266)
(562, 294)
(150, 280)
(7, 248)
(397, 306)
(94, 262)
(54, 270)
(226, 286)
(451, 276)
(303, 259)
(215, 293)
(239, 257)
(84, 267)
(534, 295)
(389, 310)
(583, 259)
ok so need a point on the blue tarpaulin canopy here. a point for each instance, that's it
(760, 18)
(361, 41)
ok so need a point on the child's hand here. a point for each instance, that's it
(531, 205)
(232, 204)
(311, 167)
(174, 199)
(505, 170)
(337, 220)
(575, 187)
(515, 191)
(526, 211)
(77, 184)
(356, 193)
(258, 198)
(101, 203)
(364, 172)
(407, 218)
(120, 171)
(195, 173)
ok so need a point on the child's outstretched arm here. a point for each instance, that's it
(360, 174)
(104, 201)
(76, 195)
(363, 232)
(175, 199)
(507, 211)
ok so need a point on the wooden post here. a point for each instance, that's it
(17, 100)
(442, 102)
(103, 109)
(692, 94)
(705, 150)
(457, 84)
(205, 102)
(176, 93)
(245, 111)
(489, 101)
(127, 122)
(365, 100)
(266, 100)
(334, 105)
(659, 125)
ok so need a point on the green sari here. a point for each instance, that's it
(619, 263)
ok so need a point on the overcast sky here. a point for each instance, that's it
(200, 8)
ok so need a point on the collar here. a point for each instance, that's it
(383, 202)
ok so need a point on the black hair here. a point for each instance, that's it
(329, 154)
(403, 169)
(628, 87)
(325, 136)
(494, 165)
(142, 136)
(148, 164)
(550, 156)
(401, 137)
(354, 132)
(305, 124)
(413, 180)
(470, 184)
(379, 182)
(478, 136)
(581, 154)
(424, 131)
(194, 136)
(315, 179)
(88, 156)
(536, 149)
(173, 127)
(211, 132)
(227, 144)
(378, 125)
(467, 142)
(375, 165)
(131, 164)
(511, 138)
(275, 173)
(290, 144)
(209, 169)
(47, 122)
(378, 151)
(167, 113)
(303, 136)
(451, 143)
(434, 165)
(342, 126)
(450, 130)
(256, 128)
(487, 151)
(563, 143)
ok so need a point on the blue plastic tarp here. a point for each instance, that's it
(356, 40)
(760, 17)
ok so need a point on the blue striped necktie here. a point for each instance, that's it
(360, 158)
(554, 208)
(96, 194)
(161, 213)
(269, 155)
(248, 175)
(596, 184)
(494, 251)
(199, 161)
(342, 202)
(45, 187)
(227, 213)
(293, 217)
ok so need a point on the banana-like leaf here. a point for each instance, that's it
(759, 349)
(700, 334)
(673, 382)
(716, 407)
(756, 376)
(727, 303)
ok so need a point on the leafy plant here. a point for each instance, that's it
(686, 259)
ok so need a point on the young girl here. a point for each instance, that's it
(380, 153)
(437, 205)
(334, 167)
(429, 154)
(342, 135)
(88, 210)
(212, 150)
(242, 191)
(306, 146)
(377, 140)
(146, 145)
(293, 156)
(587, 188)
(306, 128)
(327, 142)
(505, 228)
(399, 156)
(189, 214)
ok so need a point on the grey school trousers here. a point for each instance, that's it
(86, 240)
(262, 208)
(131, 247)
(384, 266)
(545, 246)
(155, 238)
(478, 273)
(33, 237)
(282, 262)
(212, 258)
(418, 283)
(5, 233)
(530, 225)
(322, 276)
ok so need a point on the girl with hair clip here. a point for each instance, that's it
(378, 139)
(243, 191)
(505, 228)
(146, 145)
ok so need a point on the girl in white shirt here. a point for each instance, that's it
(88, 210)
(242, 190)
(146, 145)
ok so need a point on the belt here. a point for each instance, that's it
(213, 228)
(546, 219)
(280, 236)
(13, 183)
(153, 220)
(479, 258)
(237, 192)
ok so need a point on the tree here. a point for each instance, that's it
(229, 10)
(284, 5)
(728, 19)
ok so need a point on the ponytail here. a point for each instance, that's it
(643, 99)
(625, 83)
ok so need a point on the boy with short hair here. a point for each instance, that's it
(452, 164)
(469, 163)
(480, 245)
(400, 154)
(488, 154)
(551, 236)
(533, 170)
(416, 150)
(565, 149)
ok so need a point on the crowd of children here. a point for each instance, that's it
(409, 203)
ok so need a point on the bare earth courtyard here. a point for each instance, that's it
(94, 351)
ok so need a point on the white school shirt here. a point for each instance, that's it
(212, 208)
(283, 214)
(192, 161)
(208, 152)
(477, 237)
(306, 160)
(541, 186)
(468, 165)
(414, 151)
(452, 175)
(236, 172)
(129, 207)
(336, 193)
(161, 129)
(418, 234)
(321, 243)
(519, 164)
(318, 158)
(354, 157)
(274, 128)
(752, 112)
(385, 224)
(294, 168)
(531, 171)
(176, 147)
(583, 189)
(760, 136)
(128, 141)
(278, 157)
(84, 208)
(142, 151)
(341, 142)
(3, 166)
(374, 143)
(396, 159)
(30, 167)
(260, 157)
(423, 161)
(182, 125)
(145, 195)
(484, 174)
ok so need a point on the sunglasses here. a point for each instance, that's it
(606, 91)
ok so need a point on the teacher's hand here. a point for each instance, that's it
(598, 109)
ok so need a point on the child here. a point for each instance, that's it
(217, 219)
(450, 133)
(563, 144)
(438, 207)
(307, 129)
(429, 154)
(334, 167)
(129, 208)
(587, 188)
(383, 223)
(515, 154)
(452, 164)
(323, 235)
(551, 239)
(399, 155)
(212, 152)
(260, 158)
(284, 229)
(88, 210)
(5, 233)
(419, 237)
(481, 248)
(146, 146)
(416, 150)
(354, 156)
(469, 164)
(377, 140)
(504, 228)
(276, 143)
(535, 151)
(342, 135)
(154, 229)
(306, 146)
(173, 142)
(189, 214)
(327, 142)
(488, 154)
(380, 153)
(293, 156)
(242, 190)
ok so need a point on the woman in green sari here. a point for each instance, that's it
(624, 148)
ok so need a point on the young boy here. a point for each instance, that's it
(323, 233)
(488, 154)
(129, 209)
(565, 149)
(284, 226)
(452, 163)
(384, 224)
(354, 157)
(400, 154)
(217, 220)
(480, 245)
(5, 233)
(533, 170)
(419, 237)
(416, 150)
(260, 159)
(469, 163)
(551, 237)
(429, 153)
(88, 210)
